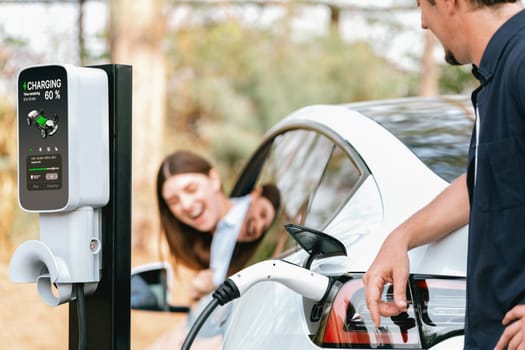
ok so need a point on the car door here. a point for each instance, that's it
(319, 177)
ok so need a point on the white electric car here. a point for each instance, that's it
(355, 172)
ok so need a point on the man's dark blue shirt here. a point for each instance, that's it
(496, 183)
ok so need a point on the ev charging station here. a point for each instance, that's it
(74, 170)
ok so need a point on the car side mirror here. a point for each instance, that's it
(150, 288)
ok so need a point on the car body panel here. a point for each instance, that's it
(276, 331)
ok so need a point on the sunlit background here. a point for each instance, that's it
(211, 75)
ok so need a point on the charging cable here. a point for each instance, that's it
(309, 284)
(82, 316)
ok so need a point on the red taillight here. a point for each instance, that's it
(349, 324)
(430, 314)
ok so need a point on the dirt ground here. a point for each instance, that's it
(27, 323)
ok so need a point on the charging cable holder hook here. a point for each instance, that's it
(68, 252)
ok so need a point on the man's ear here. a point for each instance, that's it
(215, 179)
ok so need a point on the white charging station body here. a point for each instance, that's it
(63, 174)
(75, 100)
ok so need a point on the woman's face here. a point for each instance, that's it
(194, 199)
(258, 219)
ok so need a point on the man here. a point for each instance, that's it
(246, 223)
(490, 197)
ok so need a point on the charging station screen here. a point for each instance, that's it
(42, 138)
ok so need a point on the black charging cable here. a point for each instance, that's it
(82, 316)
(225, 293)
(307, 283)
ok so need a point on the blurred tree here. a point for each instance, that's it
(8, 186)
(429, 68)
(240, 80)
(82, 54)
(137, 31)
(15, 225)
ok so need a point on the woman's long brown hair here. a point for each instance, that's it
(187, 245)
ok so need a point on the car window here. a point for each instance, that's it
(438, 131)
(337, 183)
(295, 164)
(315, 177)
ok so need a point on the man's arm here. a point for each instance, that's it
(446, 213)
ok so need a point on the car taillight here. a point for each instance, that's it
(436, 311)
(441, 307)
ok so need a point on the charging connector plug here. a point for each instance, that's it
(309, 284)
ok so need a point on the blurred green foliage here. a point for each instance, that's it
(456, 79)
(240, 80)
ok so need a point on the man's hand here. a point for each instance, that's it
(513, 338)
(391, 265)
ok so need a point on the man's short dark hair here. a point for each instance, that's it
(272, 193)
(483, 3)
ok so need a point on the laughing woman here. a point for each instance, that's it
(206, 230)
